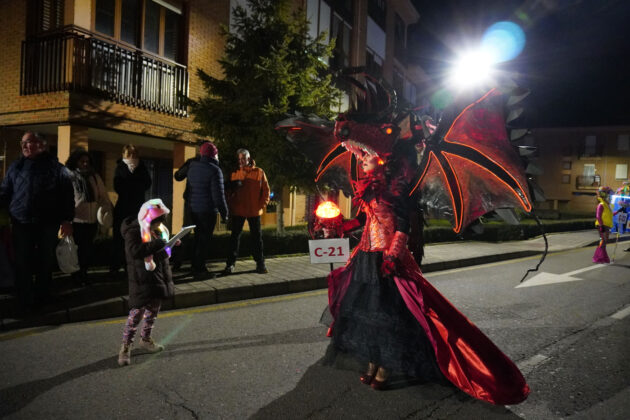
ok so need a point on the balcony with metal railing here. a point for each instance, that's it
(587, 182)
(76, 60)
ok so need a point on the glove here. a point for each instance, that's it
(388, 267)
(392, 255)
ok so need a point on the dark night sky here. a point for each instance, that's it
(576, 59)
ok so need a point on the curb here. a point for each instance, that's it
(209, 292)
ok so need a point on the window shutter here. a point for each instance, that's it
(44, 15)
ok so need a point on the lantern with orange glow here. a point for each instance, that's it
(328, 216)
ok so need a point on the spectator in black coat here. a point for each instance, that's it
(38, 193)
(181, 175)
(131, 182)
(207, 198)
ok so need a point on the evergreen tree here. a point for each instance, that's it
(271, 67)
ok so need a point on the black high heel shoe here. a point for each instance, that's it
(366, 379)
(376, 384)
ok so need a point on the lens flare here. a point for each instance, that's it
(503, 41)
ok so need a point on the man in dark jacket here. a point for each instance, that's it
(206, 196)
(38, 192)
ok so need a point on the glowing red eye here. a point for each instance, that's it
(381, 162)
(388, 130)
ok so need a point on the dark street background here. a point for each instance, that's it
(575, 59)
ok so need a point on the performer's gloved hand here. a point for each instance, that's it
(388, 267)
(392, 255)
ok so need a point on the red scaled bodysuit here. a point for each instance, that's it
(374, 312)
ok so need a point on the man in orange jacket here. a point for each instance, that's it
(248, 194)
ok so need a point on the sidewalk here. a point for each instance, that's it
(106, 297)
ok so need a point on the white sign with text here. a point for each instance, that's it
(622, 218)
(329, 250)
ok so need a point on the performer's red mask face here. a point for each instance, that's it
(369, 163)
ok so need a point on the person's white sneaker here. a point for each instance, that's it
(150, 346)
(124, 356)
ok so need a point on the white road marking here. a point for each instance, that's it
(545, 278)
(582, 270)
(621, 314)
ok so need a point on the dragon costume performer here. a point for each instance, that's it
(384, 311)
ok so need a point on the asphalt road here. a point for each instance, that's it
(262, 358)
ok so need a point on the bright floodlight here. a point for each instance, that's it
(472, 69)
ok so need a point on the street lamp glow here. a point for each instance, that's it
(472, 69)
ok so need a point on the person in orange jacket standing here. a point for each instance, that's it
(248, 194)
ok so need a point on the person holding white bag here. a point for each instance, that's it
(38, 193)
(89, 195)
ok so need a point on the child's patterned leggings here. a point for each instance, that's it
(149, 312)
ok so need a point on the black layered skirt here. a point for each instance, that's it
(374, 324)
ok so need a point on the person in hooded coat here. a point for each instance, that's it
(131, 182)
(150, 276)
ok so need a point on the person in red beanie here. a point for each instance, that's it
(205, 195)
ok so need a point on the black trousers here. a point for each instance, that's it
(118, 246)
(34, 245)
(179, 252)
(255, 233)
(84, 234)
(205, 223)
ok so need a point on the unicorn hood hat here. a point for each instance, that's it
(150, 211)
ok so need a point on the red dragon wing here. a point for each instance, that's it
(469, 166)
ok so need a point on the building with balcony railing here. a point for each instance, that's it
(575, 161)
(104, 73)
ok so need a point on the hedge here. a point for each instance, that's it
(295, 240)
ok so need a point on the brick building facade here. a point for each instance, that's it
(104, 73)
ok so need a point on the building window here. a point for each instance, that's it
(399, 38)
(588, 179)
(377, 10)
(341, 32)
(373, 64)
(621, 171)
(44, 15)
(152, 14)
(591, 147)
(105, 11)
(566, 179)
(161, 20)
(130, 17)
(411, 92)
(623, 142)
(589, 169)
(398, 82)
(375, 51)
(334, 18)
(566, 164)
(318, 14)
